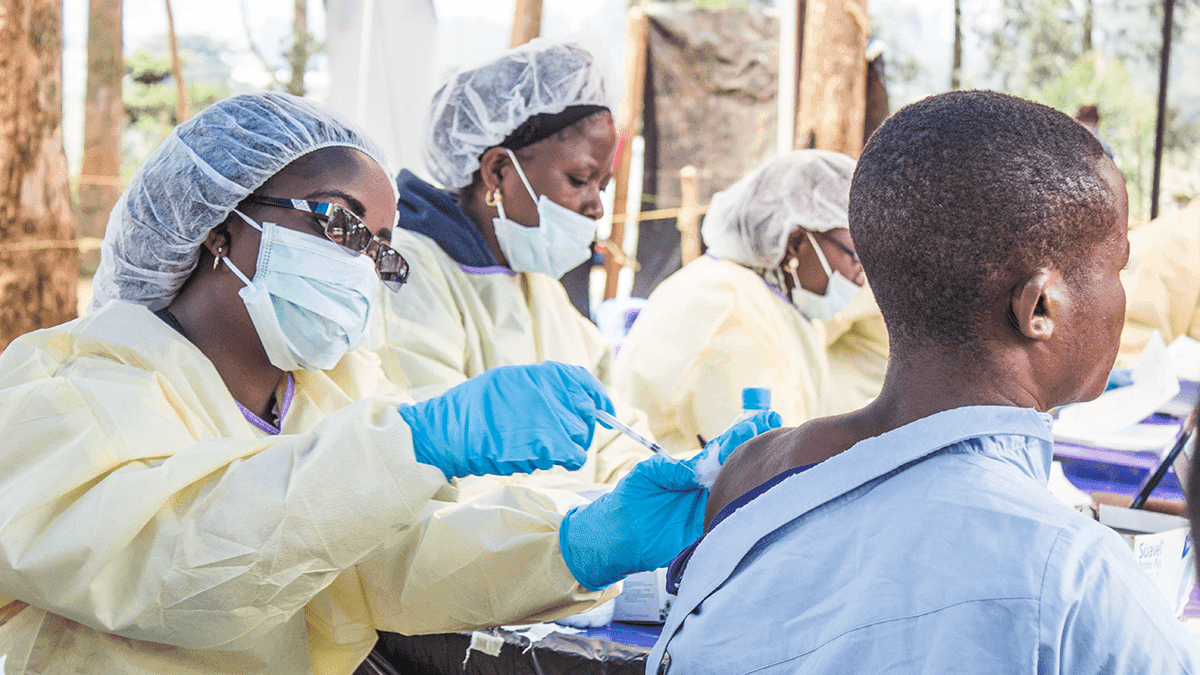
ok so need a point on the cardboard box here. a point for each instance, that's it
(1162, 544)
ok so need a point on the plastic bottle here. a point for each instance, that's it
(754, 401)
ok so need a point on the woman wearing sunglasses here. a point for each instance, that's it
(752, 312)
(206, 475)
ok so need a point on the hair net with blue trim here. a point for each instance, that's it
(191, 182)
(749, 222)
(477, 109)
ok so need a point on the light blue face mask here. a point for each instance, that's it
(561, 241)
(839, 290)
(310, 300)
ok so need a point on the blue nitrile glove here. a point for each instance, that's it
(509, 420)
(650, 516)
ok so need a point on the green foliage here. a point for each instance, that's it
(1032, 41)
(149, 90)
(1035, 50)
(1128, 116)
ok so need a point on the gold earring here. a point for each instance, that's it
(494, 197)
(217, 257)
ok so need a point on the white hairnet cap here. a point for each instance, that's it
(749, 223)
(477, 109)
(191, 182)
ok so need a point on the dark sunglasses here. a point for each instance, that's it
(344, 228)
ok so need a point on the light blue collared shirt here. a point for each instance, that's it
(934, 548)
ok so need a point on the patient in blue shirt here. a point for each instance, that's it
(916, 535)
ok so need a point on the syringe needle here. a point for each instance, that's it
(640, 439)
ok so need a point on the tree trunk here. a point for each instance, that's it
(956, 69)
(39, 264)
(182, 113)
(527, 22)
(104, 118)
(301, 49)
(637, 28)
(791, 41)
(833, 78)
(1088, 15)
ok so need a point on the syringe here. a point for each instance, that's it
(623, 428)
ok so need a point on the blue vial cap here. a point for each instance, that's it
(756, 398)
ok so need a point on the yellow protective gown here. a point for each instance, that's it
(1162, 283)
(709, 330)
(858, 353)
(147, 527)
(451, 323)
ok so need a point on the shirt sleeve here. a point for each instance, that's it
(1101, 613)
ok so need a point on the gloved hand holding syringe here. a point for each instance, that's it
(608, 420)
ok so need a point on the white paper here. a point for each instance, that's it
(1064, 490)
(1185, 358)
(1157, 438)
(536, 632)
(483, 643)
(1112, 420)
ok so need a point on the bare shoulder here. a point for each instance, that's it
(770, 454)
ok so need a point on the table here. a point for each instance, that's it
(1120, 472)
(616, 649)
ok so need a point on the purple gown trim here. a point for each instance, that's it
(494, 269)
(262, 424)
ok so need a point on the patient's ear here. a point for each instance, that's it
(1037, 303)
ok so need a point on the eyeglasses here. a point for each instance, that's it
(344, 228)
(845, 249)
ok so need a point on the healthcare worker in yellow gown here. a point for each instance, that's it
(1162, 282)
(751, 311)
(205, 475)
(858, 352)
(523, 146)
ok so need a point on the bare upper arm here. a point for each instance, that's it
(770, 454)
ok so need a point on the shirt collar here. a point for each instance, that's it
(863, 463)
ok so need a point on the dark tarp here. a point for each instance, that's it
(710, 102)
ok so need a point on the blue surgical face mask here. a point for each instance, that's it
(310, 300)
(839, 290)
(561, 241)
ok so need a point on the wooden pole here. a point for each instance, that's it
(1161, 123)
(301, 48)
(791, 30)
(636, 37)
(956, 68)
(1089, 12)
(688, 221)
(527, 22)
(833, 80)
(104, 118)
(39, 264)
(181, 98)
